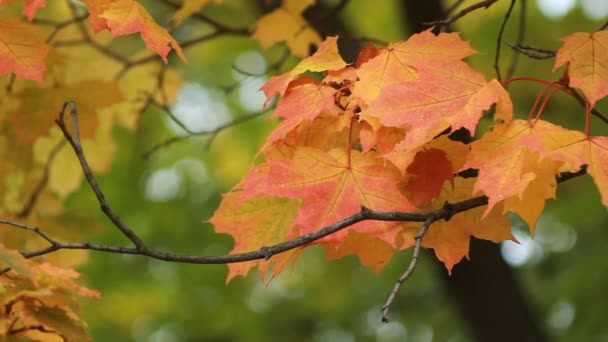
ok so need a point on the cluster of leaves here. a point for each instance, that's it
(40, 298)
(55, 47)
(376, 134)
(373, 134)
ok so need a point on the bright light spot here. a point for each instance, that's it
(554, 235)
(527, 251)
(250, 63)
(561, 315)
(392, 331)
(555, 9)
(264, 297)
(251, 97)
(595, 9)
(199, 109)
(249, 70)
(165, 333)
(163, 185)
(193, 170)
(422, 333)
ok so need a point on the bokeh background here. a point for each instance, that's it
(168, 195)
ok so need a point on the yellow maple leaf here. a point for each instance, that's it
(287, 24)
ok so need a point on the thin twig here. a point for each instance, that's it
(583, 103)
(520, 37)
(527, 50)
(447, 21)
(454, 6)
(211, 133)
(74, 140)
(444, 213)
(408, 272)
(501, 31)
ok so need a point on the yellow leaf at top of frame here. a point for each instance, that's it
(122, 17)
(287, 24)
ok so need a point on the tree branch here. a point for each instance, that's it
(449, 20)
(444, 213)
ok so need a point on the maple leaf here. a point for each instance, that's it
(371, 251)
(405, 61)
(427, 107)
(531, 202)
(332, 186)
(129, 16)
(590, 151)
(188, 8)
(427, 173)
(587, 56)
(287, 24)
(507, 165)
(326, 58)
(450, 239)
(96, 9)
(304, 102)
(21, 51)
(261, 221)
(33, 118)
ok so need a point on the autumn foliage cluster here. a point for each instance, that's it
(376, 133)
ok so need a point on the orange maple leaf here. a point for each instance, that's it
(333, 186)
(304, 102)
(507, 163)
(371, 251)
(590, 151)
(405, 61)
(96, 9)
(21, 51)
(129, 16)
(326, 58)
(587, 55)
(261, 221)
(450, 239)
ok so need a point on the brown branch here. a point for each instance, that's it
(408, 272)
(532, 51)
(449, 20)
(74, 141)
(211, 133)
(520, 38)
(499, 40)
(444, 213)
(579, 98)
